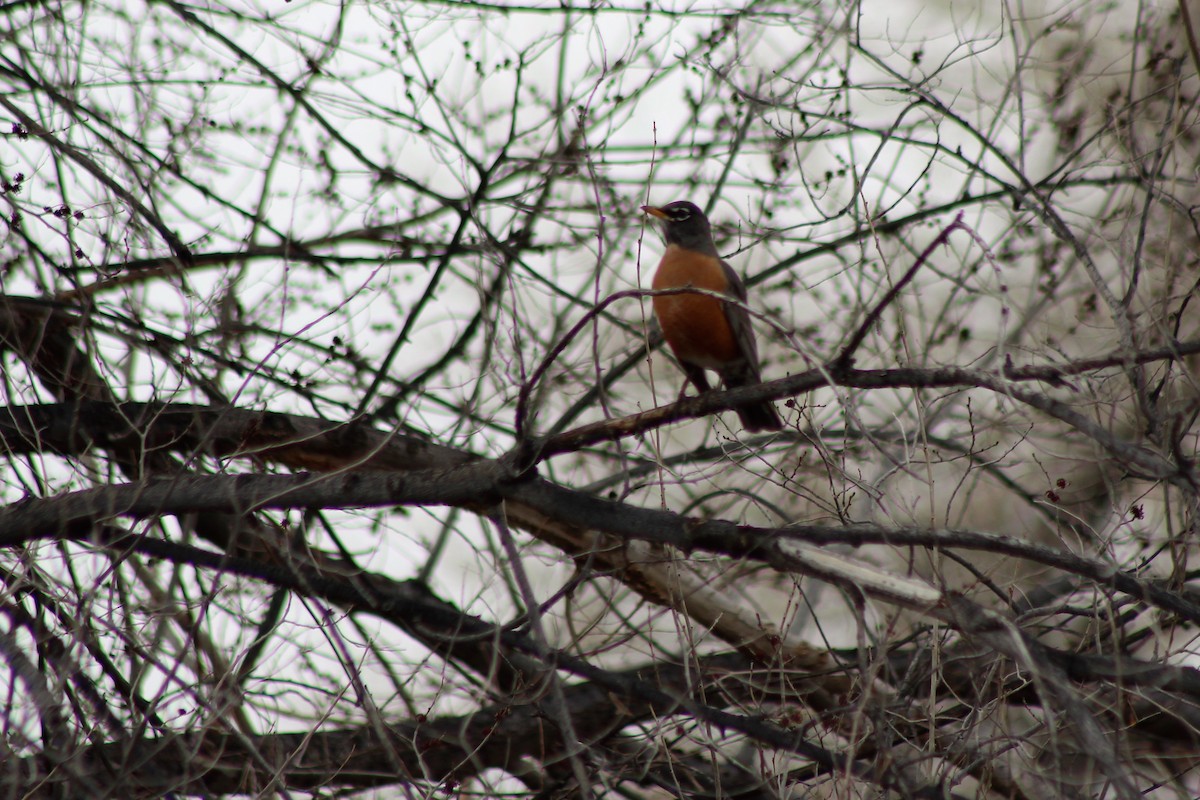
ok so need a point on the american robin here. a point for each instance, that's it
(704, 332)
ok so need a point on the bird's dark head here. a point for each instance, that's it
(684, 224)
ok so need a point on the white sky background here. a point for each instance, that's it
(363, 95)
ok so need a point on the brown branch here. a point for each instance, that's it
(432, 752)
(436, 475)
(534, 504)
(1135, 457)
(846, 358)
(293, 440)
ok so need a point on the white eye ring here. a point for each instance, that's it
(681, 215)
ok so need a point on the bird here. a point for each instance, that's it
(703, 332)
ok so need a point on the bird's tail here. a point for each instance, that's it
(760, 417)
(756, 417)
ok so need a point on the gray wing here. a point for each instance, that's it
(739, 321)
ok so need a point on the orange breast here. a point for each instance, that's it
(694, 325)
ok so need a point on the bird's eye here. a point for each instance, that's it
(680, 215)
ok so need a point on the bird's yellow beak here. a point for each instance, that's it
(655, 212)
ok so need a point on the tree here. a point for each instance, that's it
(342, 454)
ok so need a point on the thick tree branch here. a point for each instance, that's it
(432, 752)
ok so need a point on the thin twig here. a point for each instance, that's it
(846, 359)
